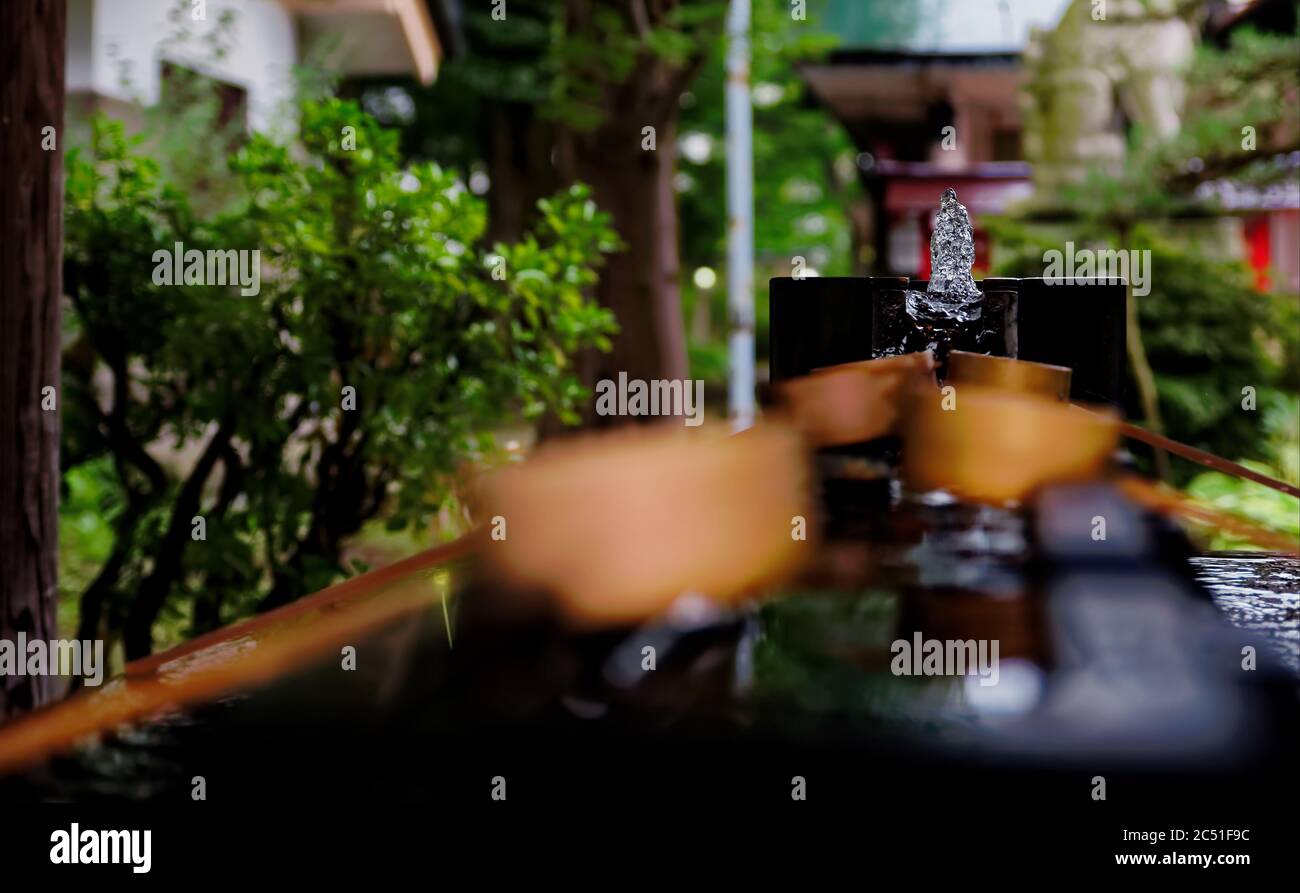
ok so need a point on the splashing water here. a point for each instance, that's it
(952, 295)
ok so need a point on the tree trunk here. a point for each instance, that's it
(31, 286)
(519, 143)
(1143, 375)
(640, 283)
(631, 169)
(137, 637)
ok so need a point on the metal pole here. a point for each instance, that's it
(740, 220)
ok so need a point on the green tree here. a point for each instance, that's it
(1206, 332)
(1203, 333)
(808, 200)
(31, 165)
(582, 91)
(384, 340)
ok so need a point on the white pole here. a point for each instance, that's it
(740, 219)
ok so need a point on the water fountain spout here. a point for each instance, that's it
(952, 295)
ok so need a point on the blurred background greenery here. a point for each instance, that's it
(528, 151)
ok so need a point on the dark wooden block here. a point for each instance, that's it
(1080, 325)
(818, 321)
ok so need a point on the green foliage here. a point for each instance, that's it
(805, 175)
(1203, 325)
(1283, 342)
(373, 277)
(88, 504)
(536, 65)
(803, 160)
(560, 60)
(504, 64)
(605, 43)
(1207, 333)
(1250, 84)
(708, 360)
(1275, 510)
(800, 657)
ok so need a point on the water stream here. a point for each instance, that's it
(952, 296)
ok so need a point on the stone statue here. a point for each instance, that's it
(1107, 61)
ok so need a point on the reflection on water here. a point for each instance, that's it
(1125, 662)
(133, 763)
(824, 651)
(1021, 684)
(1257, 592)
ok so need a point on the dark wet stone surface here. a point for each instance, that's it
(809, 672)
(1257, 592)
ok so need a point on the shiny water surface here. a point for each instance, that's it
(822, 651)
(1258, 592)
